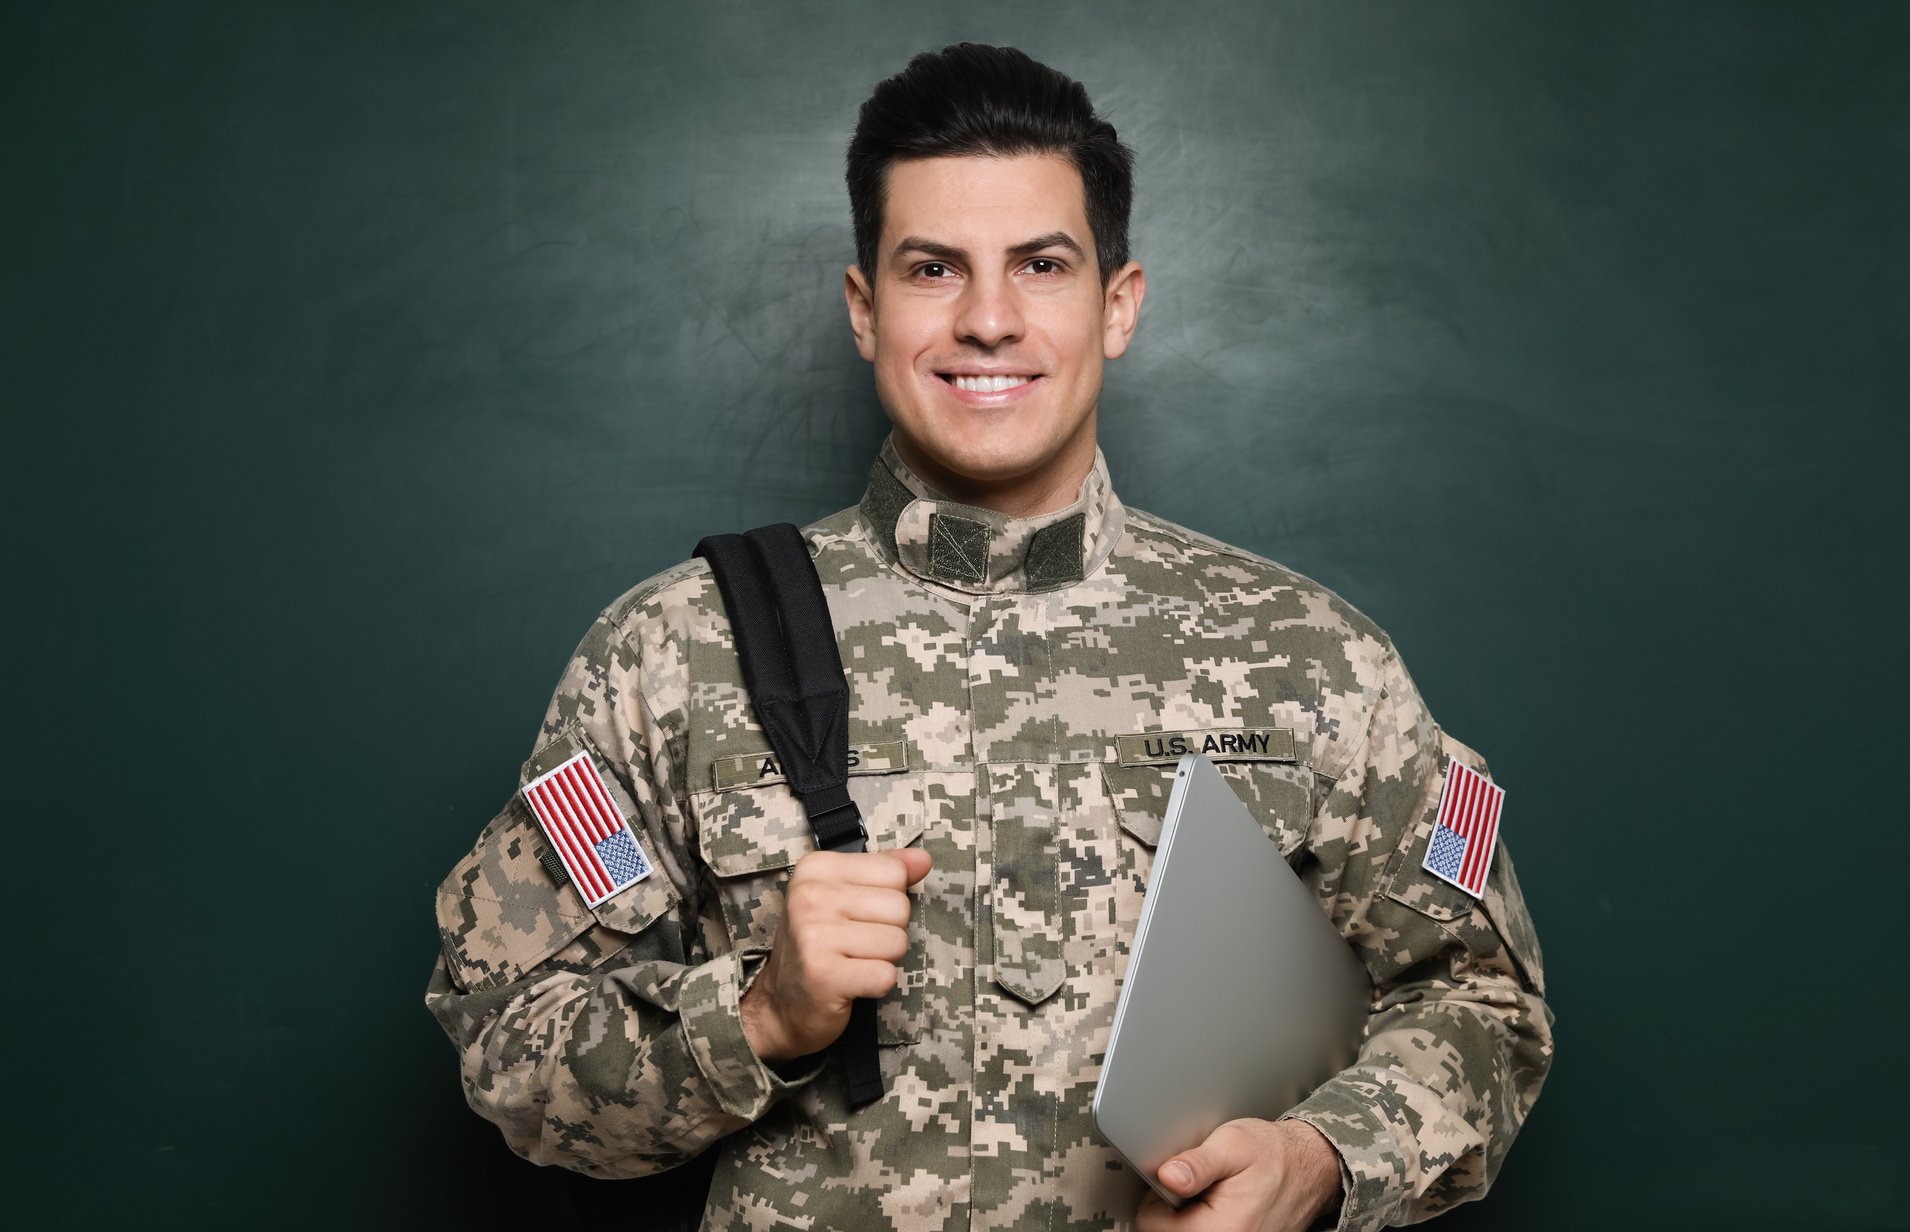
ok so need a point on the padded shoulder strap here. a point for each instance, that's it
(792, 669)
(787, 648)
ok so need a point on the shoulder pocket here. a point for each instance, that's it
(508, 905)
(1495, 929)
(753, 836)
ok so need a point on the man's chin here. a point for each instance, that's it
(1022, 477)
(987, 463)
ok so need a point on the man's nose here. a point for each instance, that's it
(990, 314)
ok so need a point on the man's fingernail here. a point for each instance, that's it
(1177, 1173)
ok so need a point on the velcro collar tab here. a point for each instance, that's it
(981, 551)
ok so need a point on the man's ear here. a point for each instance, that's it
(861, 299)
(1121, 308)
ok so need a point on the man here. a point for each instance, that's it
(1004, 621)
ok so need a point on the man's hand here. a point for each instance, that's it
(845, 925)
(1252, 1176)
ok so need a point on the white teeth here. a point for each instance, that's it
(989, 384)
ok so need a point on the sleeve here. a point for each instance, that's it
(1459, 1037)
(609, 1040)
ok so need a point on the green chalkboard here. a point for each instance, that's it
(353, 355)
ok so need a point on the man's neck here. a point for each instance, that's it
(1041, 491)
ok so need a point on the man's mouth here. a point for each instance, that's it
(983, 384)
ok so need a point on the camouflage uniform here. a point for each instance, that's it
(1016, 687)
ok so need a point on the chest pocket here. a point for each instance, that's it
(508, 907)
(1278, 794)
(751, 839)
(1073, 850)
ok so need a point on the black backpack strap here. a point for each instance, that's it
(793, 671)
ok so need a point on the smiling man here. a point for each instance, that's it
(1016, 641)
(990, 325)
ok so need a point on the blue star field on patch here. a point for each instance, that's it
(621, 855)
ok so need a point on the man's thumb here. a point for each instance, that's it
(1186, 1174)
(915, 860)
(1227, 1151)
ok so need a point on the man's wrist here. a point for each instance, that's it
(1316, 1162)
(709, 1005)
(760, 1027)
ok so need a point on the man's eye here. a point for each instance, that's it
(934, 269)
(1042, 265)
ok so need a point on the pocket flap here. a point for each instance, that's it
(1139, 795)
(1427, 894)
(1278, 795)
(749, 830)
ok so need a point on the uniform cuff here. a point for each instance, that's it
(709, 1005)
(1349, 1112)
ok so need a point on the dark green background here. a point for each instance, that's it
(356, 354)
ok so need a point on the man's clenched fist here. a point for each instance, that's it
(845, 926)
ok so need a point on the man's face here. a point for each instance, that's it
(988, 325)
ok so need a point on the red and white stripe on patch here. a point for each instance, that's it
(1460, 850)
(587, 830)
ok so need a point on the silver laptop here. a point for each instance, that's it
(1240, 995)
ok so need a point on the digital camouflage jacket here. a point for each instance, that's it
(1015, 687)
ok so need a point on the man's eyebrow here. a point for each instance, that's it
(928, 248)
(1054, 239)
(1027, 248)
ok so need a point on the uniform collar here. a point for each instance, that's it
(982, 552)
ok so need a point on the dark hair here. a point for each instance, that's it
(971, 99)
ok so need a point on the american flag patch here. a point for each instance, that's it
(1468, 822)
(586, 830)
